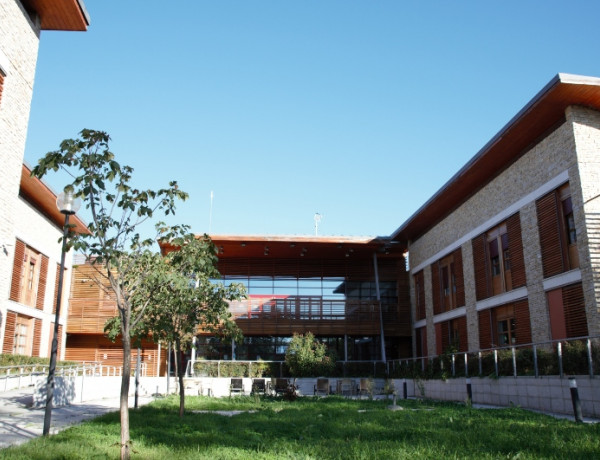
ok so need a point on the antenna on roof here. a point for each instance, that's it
(318, 218)
(210, 213)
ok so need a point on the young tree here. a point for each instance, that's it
(307, 357)
(185, 295)
(123, 259)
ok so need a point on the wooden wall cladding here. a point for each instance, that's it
(96, 348)
(90, 306)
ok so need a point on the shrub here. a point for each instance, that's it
(307, 357)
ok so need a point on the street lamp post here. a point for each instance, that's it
(66, 204)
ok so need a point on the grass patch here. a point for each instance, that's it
(326, 428)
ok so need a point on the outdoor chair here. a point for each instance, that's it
(345, 387)
(258, 386)
(365, 387)
(280, 386)
(236, 387)
(322, 387)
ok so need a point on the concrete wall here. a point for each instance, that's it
(547, 394)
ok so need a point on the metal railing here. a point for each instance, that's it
(24, 375)
(575, 356)
(249, 368)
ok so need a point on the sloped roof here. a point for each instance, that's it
(40, 196)
(60, 14)
(536, 120)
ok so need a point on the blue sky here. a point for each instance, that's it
(358, 110)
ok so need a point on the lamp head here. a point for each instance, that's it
(67, 203)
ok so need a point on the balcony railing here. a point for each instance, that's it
(298, 308)
(576, 356)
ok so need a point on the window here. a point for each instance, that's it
(499, 260)
(447, 283)
(505, 325)
(568, 226)
(451, 336)
(21, 342)
(30, 269)
(558, 232)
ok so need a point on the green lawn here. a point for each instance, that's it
(328, 428)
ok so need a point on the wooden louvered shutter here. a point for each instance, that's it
(41, 289)
(515, 244)
(436, 288)
(9, 332)
(548, 214)
(59, 339)
(481, 267)
(459, 278)
(574, 307)
(420, 295)
(37, 336)
(1, 85)
(445, 335)
(15, 286)
(522, 322)
(56, 288)
(485, 329)
(438, 339)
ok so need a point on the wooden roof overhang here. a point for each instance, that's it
(43, 199)
(303, 247)
(59, 14)
(544, 113)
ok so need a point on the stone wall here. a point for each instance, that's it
(19, 41)
(570, 153)
(586, 128)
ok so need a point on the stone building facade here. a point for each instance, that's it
(21, 25)
(507, 251)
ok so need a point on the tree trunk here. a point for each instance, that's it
(180, 378)
(124, 398)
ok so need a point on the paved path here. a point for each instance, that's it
(19, 422)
